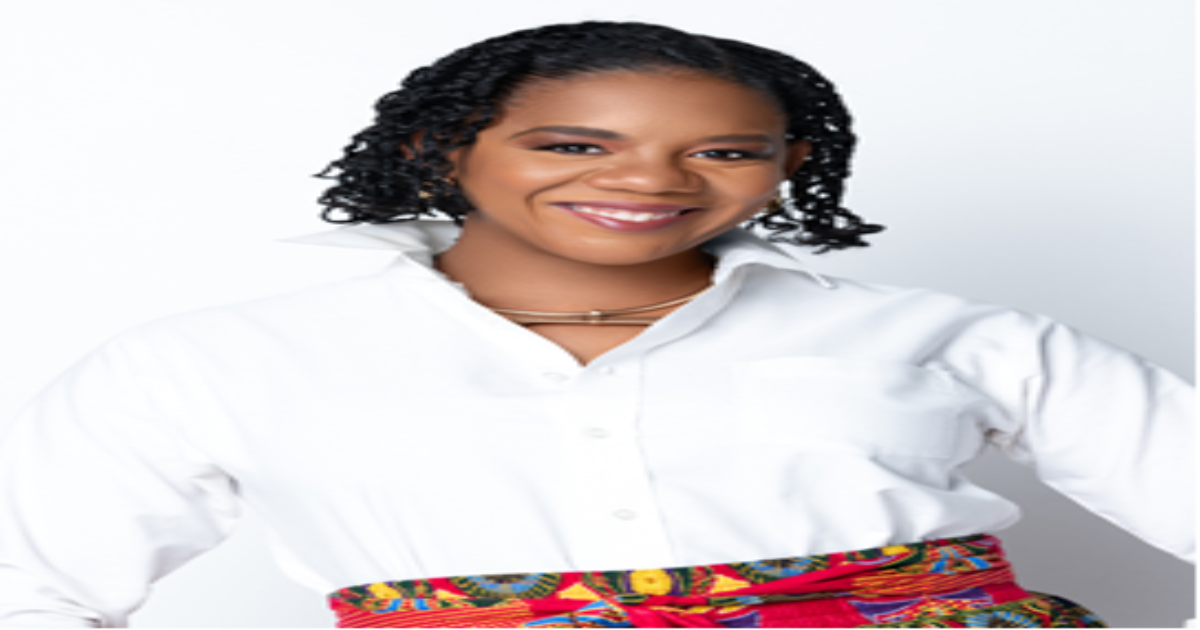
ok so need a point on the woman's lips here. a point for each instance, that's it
(626, 216)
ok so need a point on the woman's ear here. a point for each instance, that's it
(797, 152)
(411, 145)
(408, 149)
(455, 157)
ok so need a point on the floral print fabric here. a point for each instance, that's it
(949, 583)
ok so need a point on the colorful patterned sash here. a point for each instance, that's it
(950, 583)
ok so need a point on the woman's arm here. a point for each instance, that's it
(100, 496)
(1115, 433)
(1110, 430)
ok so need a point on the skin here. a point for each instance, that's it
(679, 138)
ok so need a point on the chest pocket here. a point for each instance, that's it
(866, 407)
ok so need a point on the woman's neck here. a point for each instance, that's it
(509, 273)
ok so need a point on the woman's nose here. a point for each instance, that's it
(646, 174)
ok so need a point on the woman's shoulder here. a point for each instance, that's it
(307, 312)
(853, 297)
(976, 332)
(927, 321)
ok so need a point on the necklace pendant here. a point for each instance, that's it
(594, 317)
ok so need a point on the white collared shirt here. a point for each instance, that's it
(389, 428)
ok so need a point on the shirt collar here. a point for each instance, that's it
(419, 241)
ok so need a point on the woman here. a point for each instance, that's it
(600, 401)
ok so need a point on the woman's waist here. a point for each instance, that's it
(873, 583)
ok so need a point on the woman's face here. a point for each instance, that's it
(624, 167)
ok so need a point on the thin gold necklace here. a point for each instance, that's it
(596, 317)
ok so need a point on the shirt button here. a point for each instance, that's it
(607, 370)
(625, 515)
(598, 433)
(556, 377)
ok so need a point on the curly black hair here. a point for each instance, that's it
(397, 169)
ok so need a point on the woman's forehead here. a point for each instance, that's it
(638, 95)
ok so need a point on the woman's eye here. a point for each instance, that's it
(572, 149)
(729, 154)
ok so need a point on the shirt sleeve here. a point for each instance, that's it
(1110, 430)
(100, 496)
(1104, 427)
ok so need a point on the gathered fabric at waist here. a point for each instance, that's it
(953, 582)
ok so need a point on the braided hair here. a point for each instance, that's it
(398, 170)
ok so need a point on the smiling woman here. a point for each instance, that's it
(647, 160)
(589, 183)
(591, 398)
(399, 167)
(594, 163)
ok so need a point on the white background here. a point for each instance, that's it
(1036, 153)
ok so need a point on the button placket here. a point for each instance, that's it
(615, 512)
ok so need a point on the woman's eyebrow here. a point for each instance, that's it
(740, 137)
(588, 132)
(605, 134)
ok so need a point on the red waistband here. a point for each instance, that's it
(887, 585)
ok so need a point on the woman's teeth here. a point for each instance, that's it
(624, 215)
